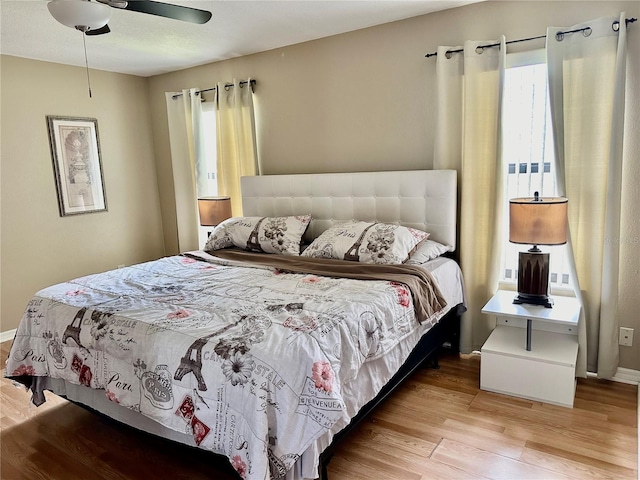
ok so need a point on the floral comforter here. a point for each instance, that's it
(248, 360)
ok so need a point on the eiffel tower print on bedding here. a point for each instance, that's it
(231, 353)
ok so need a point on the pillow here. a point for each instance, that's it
(366, 242)
(260, 234)
(427, 250)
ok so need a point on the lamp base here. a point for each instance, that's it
(533, 278)
(544, 300)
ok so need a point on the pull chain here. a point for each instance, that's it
(86, 62)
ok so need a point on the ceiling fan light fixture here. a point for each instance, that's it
(80, 13)
(115, 3)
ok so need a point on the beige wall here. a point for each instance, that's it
(38, 247)
(365, 100)
(354, 102)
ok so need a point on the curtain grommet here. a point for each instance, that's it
(615, 26)
(559, 36)
(587, 31)
(479, 49)
(448, 54)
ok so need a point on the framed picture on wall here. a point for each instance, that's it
(77, 166)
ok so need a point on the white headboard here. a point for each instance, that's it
(424, 199)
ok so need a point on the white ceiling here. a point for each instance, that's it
(146, 45)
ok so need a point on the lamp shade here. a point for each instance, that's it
(538, 220)
(214, 210)
(80, 13)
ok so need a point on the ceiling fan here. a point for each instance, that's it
(91, 17)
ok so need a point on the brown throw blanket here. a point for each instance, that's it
(427, 299)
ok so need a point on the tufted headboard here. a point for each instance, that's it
(424, 199)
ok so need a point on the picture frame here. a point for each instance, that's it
(77, 165)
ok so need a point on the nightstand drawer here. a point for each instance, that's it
(543, 382)
(546, 373)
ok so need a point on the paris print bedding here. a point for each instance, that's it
(248, 360)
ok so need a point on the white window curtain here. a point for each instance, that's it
(237, 151)
(468, 140)
(587, 95)
(184, 115)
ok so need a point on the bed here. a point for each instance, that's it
(266, 358)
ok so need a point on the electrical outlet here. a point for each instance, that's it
(626, 336)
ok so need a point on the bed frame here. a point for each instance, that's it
(423, 199)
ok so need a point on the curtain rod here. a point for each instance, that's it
(615, 26)
(228, 85)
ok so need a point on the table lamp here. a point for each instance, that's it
(536, 221)
(213, 210)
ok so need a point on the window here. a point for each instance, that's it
(210, 149)
(211, 156)
(527, 151)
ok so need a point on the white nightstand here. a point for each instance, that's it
(547, 371)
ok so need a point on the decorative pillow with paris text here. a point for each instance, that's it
(366, 242)
(281, 235)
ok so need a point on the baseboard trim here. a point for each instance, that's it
(627, 375)
(8, 335)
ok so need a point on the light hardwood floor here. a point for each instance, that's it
(439, 425)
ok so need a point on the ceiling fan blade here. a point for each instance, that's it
(98, 31)
(177, 12)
